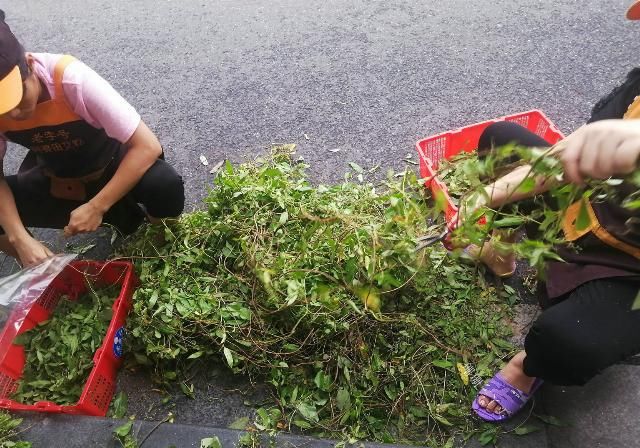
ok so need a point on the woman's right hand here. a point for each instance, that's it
(31, 251)
(468, 207)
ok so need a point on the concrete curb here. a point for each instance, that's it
(73, 431)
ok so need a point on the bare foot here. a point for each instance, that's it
(513, 374)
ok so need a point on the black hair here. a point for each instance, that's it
(625, 91)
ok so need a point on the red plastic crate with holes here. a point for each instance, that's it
(100, 386)
(446, 145)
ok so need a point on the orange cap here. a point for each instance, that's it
(633, 13)
(10, 90)
(13, 68)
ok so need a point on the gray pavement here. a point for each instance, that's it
(92, 432)
(602, 414)
(226, 79)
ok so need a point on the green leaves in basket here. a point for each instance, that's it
(458, 174)
(59, 352)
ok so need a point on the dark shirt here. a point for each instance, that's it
(592, 259)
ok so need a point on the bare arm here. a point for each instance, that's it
(143, 149)
(9, 219)
(505, 190)
(598, 150)
(28, 250)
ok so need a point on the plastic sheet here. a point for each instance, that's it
(19, 291)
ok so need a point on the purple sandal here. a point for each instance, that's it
(510, 398)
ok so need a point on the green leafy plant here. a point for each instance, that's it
(9, 432)
(124, 435)
(119, 405)
(318, 292)
(471, 176)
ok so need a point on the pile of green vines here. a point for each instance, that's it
(318, 292)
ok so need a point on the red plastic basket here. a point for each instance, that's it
(99, 388)
(448, 144)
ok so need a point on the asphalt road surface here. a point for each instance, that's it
(228, 78)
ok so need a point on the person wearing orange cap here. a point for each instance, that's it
(91, 159)
(588, 322)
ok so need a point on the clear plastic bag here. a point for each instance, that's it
(19, 291)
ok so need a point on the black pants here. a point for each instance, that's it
(160, 191)
(583, 332)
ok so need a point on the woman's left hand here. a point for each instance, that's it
(86, 218)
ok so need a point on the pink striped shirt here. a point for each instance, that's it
(89, 95)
